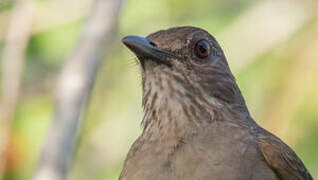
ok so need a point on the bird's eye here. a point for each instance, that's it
(202, 49)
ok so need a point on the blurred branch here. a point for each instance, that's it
(16, 41)
(74, 87)
(262, 27)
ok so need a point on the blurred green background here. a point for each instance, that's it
(279, 78)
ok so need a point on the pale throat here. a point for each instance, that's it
(170, 110)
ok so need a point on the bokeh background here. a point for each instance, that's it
(271, 47)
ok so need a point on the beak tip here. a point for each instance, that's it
(142, 47)
(126, 40)
(136, 43)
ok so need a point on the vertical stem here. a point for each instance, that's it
(74, 87)
(16, 41)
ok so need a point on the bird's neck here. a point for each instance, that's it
(170, 111)
(175, 106)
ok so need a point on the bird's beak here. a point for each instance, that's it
(145, 49)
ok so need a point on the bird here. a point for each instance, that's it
(196, 124)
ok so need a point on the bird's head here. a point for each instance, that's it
(185, 62)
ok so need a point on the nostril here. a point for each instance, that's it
(153, 44)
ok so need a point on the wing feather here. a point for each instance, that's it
(282, 159)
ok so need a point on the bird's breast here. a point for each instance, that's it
(222, 151)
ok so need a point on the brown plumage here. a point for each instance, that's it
(196, 125)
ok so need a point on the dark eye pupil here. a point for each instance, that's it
(202, 49)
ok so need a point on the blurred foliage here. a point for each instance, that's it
(112, 121)
(6, 5)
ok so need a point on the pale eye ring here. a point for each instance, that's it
(202, 49)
